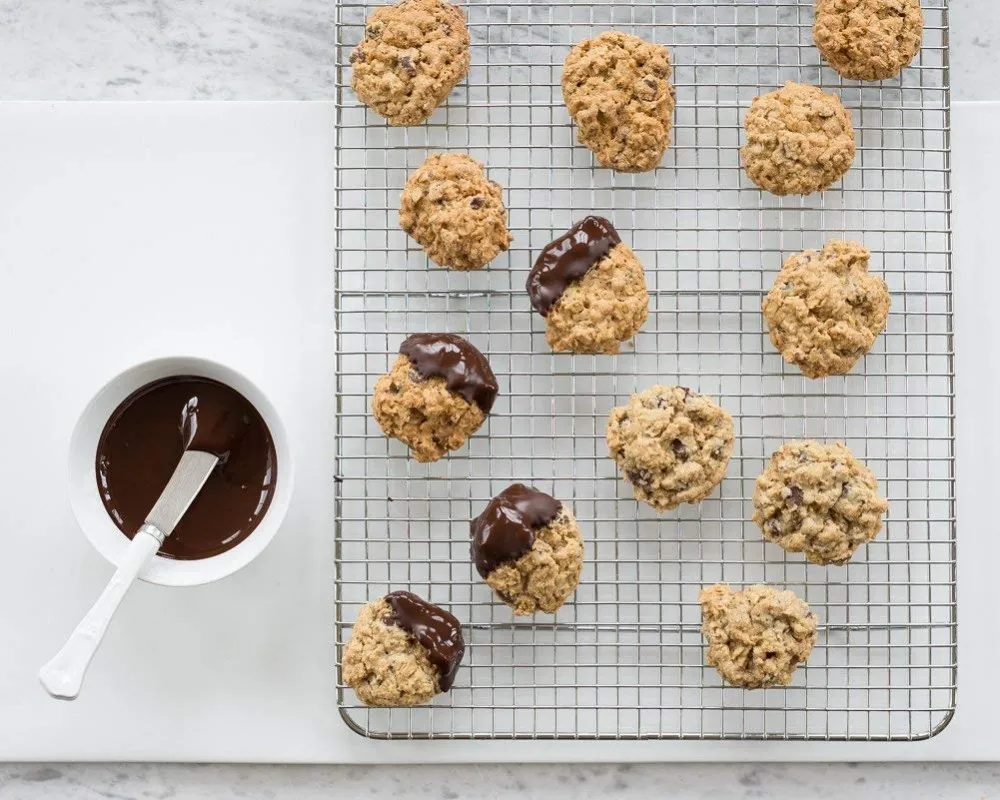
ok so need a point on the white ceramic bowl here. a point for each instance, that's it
(91, 514)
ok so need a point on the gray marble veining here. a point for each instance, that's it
(283, 50)
(507, 782)
(278, 50)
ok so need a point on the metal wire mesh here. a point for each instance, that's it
(624, 659)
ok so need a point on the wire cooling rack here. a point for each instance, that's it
(624, 659)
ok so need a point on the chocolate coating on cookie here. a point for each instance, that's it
(505, 530)
(437, 631)
(465, 370)
(568, 259)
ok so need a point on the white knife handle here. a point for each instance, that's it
(62, 677)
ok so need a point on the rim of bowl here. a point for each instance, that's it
(85, 499)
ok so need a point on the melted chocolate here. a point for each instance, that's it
(437, 631)
(505, 531)
(568, 259)
(142, 444)
(465, 370)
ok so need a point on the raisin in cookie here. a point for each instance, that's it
(799, 140)
(825, 310)
(818, 499)
(617, 89)
(672, 444)
(454, 212)
(411, 57)
(591, 289)
(868, 40)
(527, 547)
(436, 395)
(403, 651)
(756, 637)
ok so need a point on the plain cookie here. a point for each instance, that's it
(868, 40)
(617, 89)
(757, 637)
(454, 212)
(403, 651)
(527, 546)
(799, 140)
(672, 444)
(818, 499)
(437, 394)
(826, 310)
(590, 288)
(411, 57)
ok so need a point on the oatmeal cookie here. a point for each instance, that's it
(868, 40)
(591, 289)
(799, 140)
(527, 547)
(403, 651)
(411, 57)
(617, 89)
(825, 310)
(818, 499)
(436, 395)
(756, 637)
(672, 444)
(454, 212)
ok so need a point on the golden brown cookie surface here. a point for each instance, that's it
(384, 664)
(818, 499)
(454, 212)
(603, 309)
(411, 57)
(825, 310)
(868, 40)
(672, 445)
(617, 89)
(756, 637)
(799, 140)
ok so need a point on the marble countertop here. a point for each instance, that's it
(281, 50)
